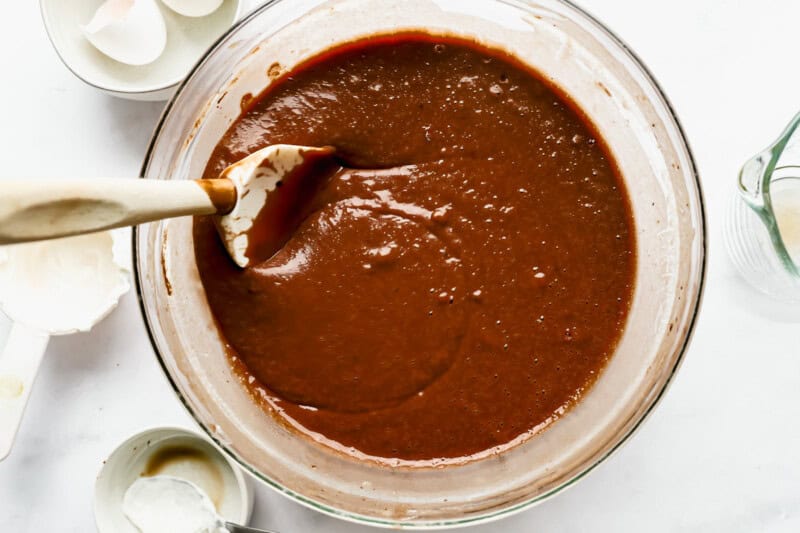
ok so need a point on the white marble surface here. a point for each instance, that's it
(721, 453)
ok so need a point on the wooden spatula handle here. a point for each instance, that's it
(32, 210)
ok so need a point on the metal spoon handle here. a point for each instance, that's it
(235, 528)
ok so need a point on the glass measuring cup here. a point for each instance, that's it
(763, 227)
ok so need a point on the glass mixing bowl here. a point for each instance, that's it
(613, 88)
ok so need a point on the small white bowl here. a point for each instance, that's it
(187, 40)
(232, 493)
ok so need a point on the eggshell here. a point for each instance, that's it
(129, 31)
(193, 8)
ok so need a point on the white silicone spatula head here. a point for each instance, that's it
(256, 177)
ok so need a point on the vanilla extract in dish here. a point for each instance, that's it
(193, 465)
(453, 301)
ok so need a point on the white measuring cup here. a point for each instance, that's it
(52, 288)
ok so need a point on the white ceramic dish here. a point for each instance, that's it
(233, 496)
(187, 40)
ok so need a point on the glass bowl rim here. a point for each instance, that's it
(507, 511)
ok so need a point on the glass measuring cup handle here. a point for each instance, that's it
(756, 173)
(751, 178)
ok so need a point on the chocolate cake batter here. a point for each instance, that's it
(458, 284)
